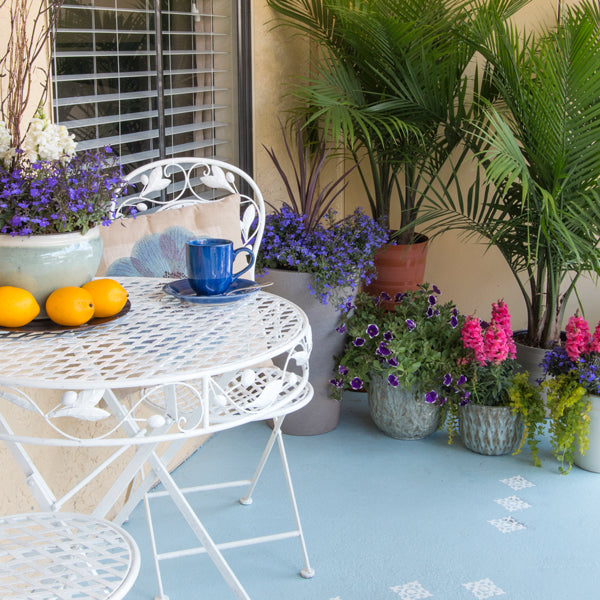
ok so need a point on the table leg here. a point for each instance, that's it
(307, 571)
(197, 527)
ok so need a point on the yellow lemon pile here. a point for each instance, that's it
(70, 306)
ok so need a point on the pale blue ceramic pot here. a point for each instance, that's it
(400, 413)
(490, 430)
(43, 263)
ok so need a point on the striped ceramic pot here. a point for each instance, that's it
(490, 430)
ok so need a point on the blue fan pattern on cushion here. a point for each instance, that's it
(156, 255)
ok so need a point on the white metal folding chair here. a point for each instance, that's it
(177, 182)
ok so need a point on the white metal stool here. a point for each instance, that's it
(63, 556)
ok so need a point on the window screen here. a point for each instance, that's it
(150, 78)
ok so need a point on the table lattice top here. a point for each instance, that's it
(160, 340)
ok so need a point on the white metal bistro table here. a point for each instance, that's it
(201, 368)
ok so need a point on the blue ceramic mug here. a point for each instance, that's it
(210, 265)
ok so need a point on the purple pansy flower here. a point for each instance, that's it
(372, 330)
(356, 383)
(383, 350)
(431, 396)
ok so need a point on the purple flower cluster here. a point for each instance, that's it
(586, 368)
(56, 197)
(450, 385)
(338, 253)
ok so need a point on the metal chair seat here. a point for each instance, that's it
(65, 556)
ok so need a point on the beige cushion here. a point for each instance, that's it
(157, 241)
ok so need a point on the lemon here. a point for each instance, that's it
(109, 296)
(70, 306)
(17, 307)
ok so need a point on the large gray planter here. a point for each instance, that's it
(322, 413)
(490, 430)
(530, 359)
(399, 413)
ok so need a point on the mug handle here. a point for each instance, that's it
(250, 265)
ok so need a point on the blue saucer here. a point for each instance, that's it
(182, 290)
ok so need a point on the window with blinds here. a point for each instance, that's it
(150, 78)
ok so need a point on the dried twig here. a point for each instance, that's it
(22, 66)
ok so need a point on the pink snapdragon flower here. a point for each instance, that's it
(472, 337)
(595, 343)
(578, 337)
(501, 317)
(495, 343)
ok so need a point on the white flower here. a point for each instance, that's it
(6, 151)
(46, 141)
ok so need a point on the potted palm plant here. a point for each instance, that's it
(316, 260)
(390, 82)
(540, 163)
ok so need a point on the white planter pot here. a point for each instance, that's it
(43, 263)
(590, 461)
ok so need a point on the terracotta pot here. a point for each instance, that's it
(400, 268)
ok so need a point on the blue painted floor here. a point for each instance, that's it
(384, 519)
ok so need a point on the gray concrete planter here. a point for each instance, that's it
(322, 413)
(401, 414)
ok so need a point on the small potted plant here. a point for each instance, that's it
(319, 262)
(573, 396)
(481, 384)
(398, 350)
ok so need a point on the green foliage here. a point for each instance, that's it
(536, 196)
(390, 82)
(527, 402)
(569, 408)
(411, 341)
